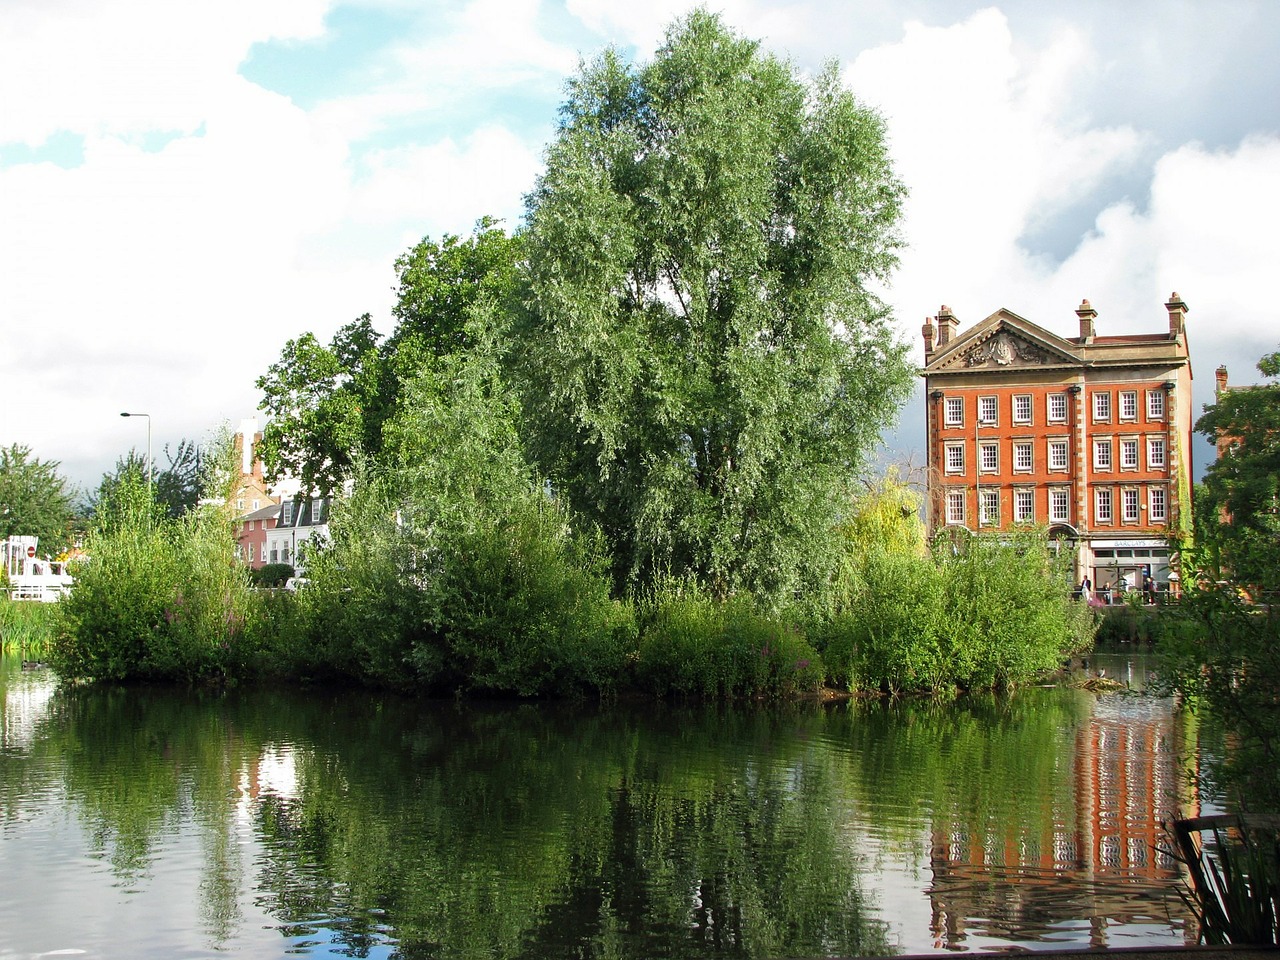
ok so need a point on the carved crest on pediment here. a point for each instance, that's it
(1004, 350)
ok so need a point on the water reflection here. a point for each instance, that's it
(345, 823)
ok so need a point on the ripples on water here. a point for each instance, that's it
(148, 823)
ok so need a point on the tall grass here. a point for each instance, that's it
(160, 599)
(26, 627)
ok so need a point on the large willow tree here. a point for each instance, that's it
(706, 365)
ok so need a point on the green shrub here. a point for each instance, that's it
(692, 645)
(523, 607)
(160, 599)
(271, 574)
(993, 614)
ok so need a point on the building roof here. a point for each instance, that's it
(270, 512)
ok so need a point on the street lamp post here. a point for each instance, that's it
(148, 416)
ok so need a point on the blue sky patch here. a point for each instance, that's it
(312, 71)
(63, 149)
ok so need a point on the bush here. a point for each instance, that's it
(692, 645)
(160, 599)
(271, 574)
(994, 614)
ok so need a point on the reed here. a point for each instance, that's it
(25, 627)
(1233, 884)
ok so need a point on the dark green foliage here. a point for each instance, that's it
(1234, 887)
(35, 500)
(1222, 654)
(694, 645)
(271, 574)
(1238, 507)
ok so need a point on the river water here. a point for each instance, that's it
(145, 824)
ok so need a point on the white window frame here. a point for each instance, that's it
(1102, 405)
(989, 507)
(1157, 504)
(953, 412)
(1129, 505)
(1024, 505)
(1062, 446)
(1129, 453)
(1155, 404)
(1128, 404)
(1102, 455)
(1022, 408)
(1103, 506)
(1052, 401)
(1157, 455)
(989, 456)
(953, 453)
(1024, 458)
(1059, 497)
(955, 498)
(989, 411)
(262, 551)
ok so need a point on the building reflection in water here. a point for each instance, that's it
(1103, 856)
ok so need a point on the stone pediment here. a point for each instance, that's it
(1004, 341)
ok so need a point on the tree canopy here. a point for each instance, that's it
(329, 405)
(1239, 507)
(704, 363)
(35, 499)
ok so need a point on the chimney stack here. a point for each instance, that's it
(930, 332)
(947, 325)
(1177, 317)
(1087, 316)
(1221, 376)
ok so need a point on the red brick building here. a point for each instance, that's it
(1089, 436)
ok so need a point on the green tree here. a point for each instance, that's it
(329, 404)
(704, 363)
(1239, 503)
(325, 404)
(35, 499)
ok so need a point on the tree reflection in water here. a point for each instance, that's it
(363, 823)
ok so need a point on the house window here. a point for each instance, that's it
(1155, 404)
(1102, 406)
(1157, 504)
(955, 506)
(1057, 408)
(284, 555)
(954, 414)
(987, 410)
(240, 506)
(1057, 455)
(1128, 454)
(1102, 454)
(990, 507)
(262, 552)
(1155, 453)
(286, 514)
(257, 504)
(1129, 505)
(1022, 408)
(989, 457)
(1102, 506)
(1023, 506)
(1022, 459)
(955, 458)
(1128, 405)
(1059, 506)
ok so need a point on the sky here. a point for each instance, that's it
(186, 186)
